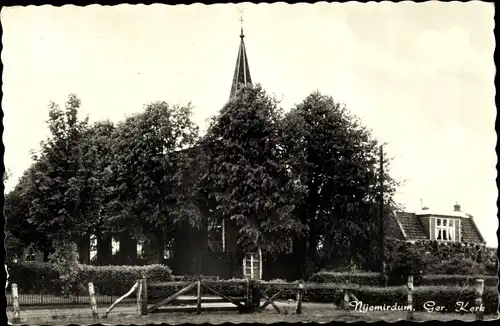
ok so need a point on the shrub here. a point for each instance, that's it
(447, 258)
(65, 260)
(406, 260)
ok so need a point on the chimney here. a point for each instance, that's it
(424, 208)
(456, 207)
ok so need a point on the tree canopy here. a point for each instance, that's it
(245, 173)
(334, 159)
(305, 182)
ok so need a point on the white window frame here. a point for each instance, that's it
(251, 261)
(445, 224)
(115, 246)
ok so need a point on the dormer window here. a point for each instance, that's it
(445, 229)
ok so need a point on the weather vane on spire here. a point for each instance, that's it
(241, 21)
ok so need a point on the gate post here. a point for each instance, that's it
(15, 303)
(144, 310)
(138, 296)
(300, 294)
(410, 298)
(479, 299)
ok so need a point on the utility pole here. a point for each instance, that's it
(381, 215)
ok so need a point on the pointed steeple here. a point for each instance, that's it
(241, 71)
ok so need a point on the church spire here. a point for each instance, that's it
(241, 71)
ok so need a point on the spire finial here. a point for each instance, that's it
(241, 21)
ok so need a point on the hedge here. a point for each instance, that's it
(361, 278)
(31, 272)
(373, 279)
(456, 280)
(108, 280)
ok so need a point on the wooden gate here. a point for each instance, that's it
(181, 301)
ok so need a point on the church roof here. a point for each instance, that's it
(241, 71)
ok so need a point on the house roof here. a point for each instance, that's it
(414, 226)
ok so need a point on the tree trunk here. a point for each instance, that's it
(104, 249)
(159, 248)
(202, 245)
(311, 256)
(84, 249)
(231, 233)
(128, 249)
(66, 289)
(300, 255)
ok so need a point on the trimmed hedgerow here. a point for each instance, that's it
(31, 272)
(456, 280)
(115, 280)
(374, 279)
(361, 278)
(108, 280)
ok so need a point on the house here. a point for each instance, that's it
(453, 226)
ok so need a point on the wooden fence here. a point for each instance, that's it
(242, 304)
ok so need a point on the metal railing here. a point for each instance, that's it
(44, 293)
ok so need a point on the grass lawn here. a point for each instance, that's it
(311, 313)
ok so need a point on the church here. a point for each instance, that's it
(211, 250)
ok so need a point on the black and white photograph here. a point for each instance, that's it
(269, 162)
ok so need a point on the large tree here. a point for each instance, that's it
(96, 155)
(245, 176)
(145, 184)
(54, 188)
(334, 159)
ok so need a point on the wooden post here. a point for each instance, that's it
(410, 298)
(479, 299)
(144, 309)
(93, 303)
(300, 293)
(15, 299)
(223, 235)
(251, 268)
(139, 297)
(248, 294)
(244, 266)
(260, 264)
(198, 299)
(345, 302)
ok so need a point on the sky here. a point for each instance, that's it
(419, 75)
